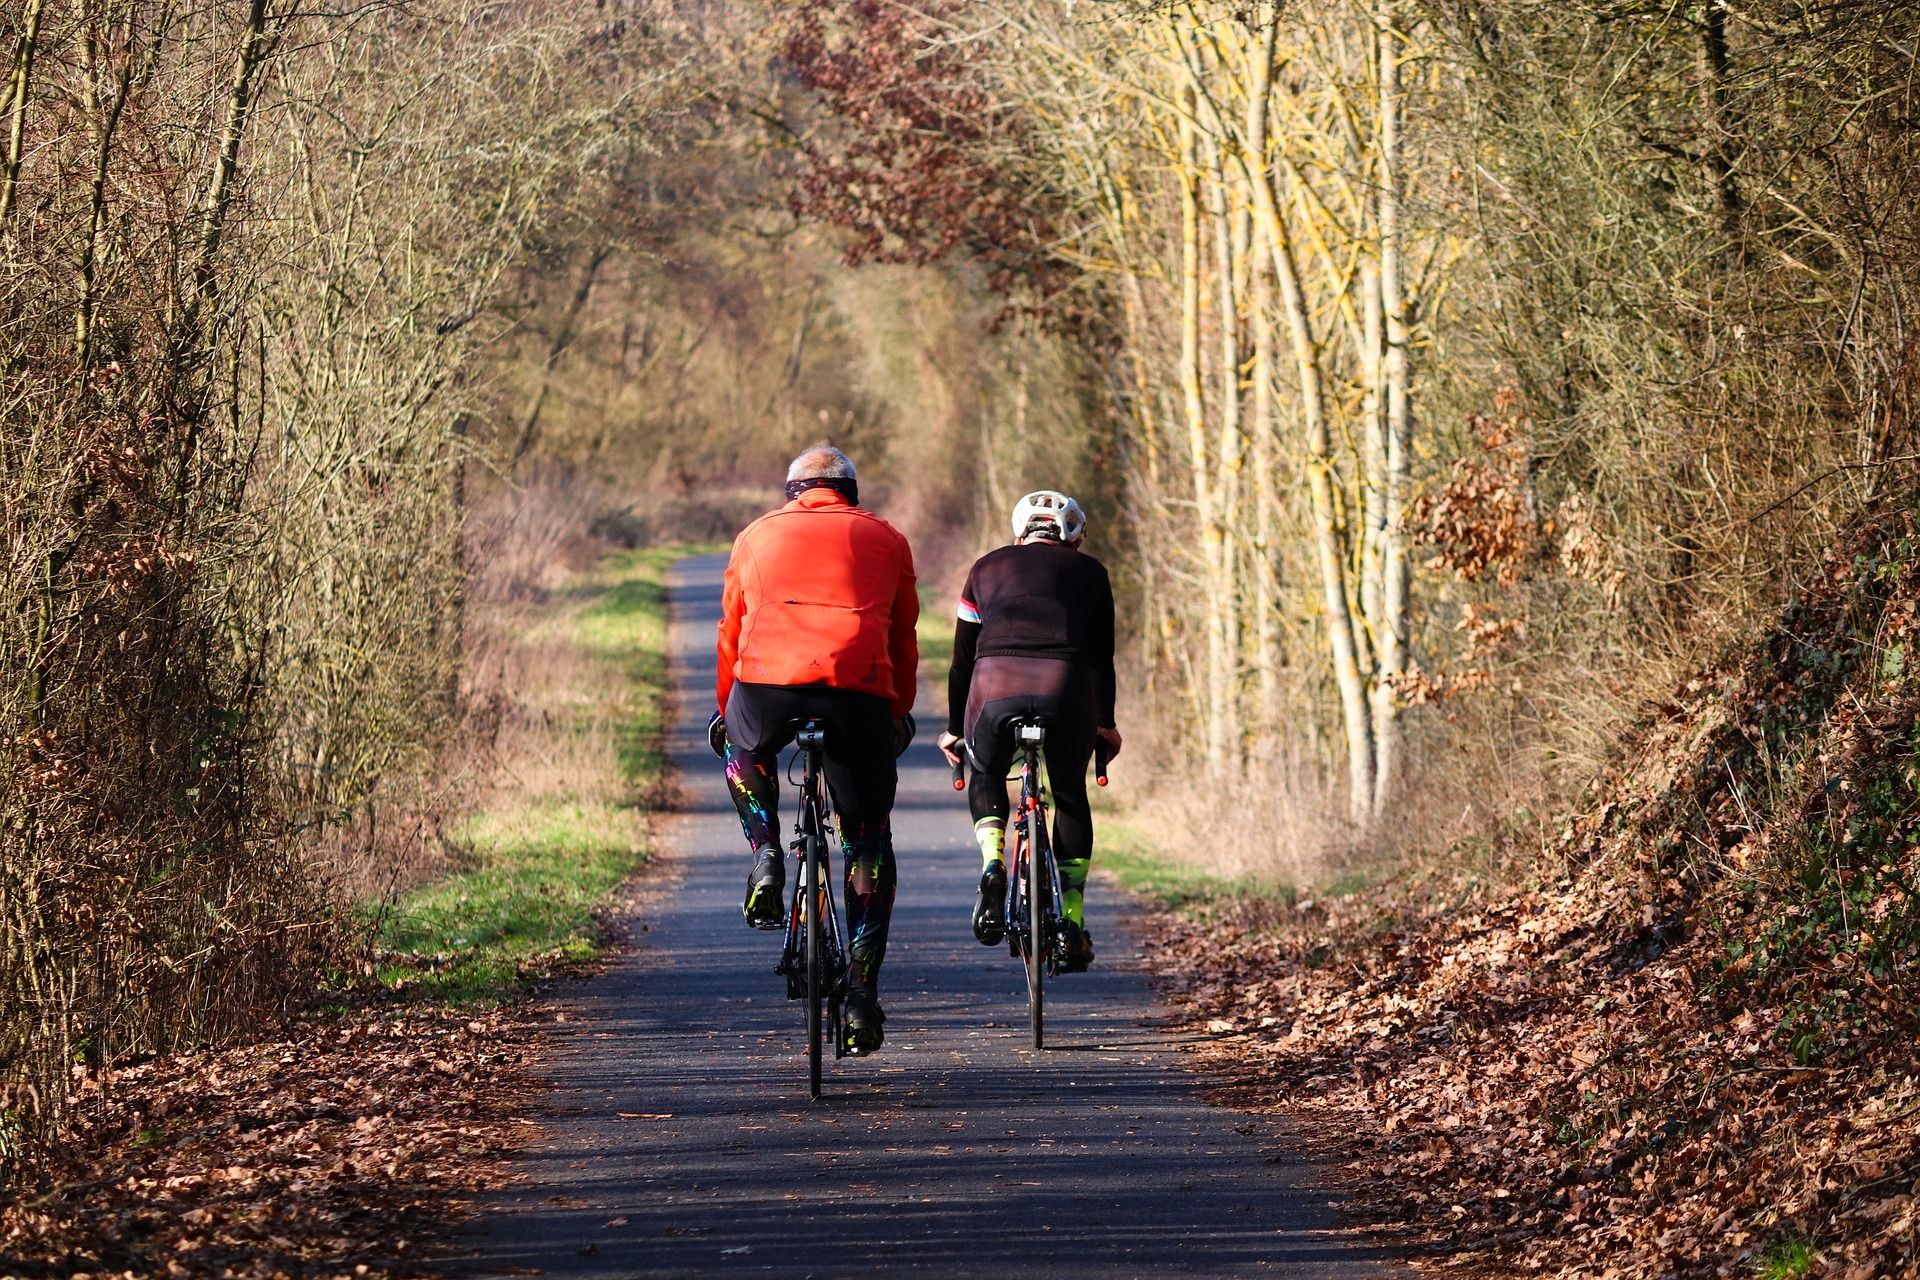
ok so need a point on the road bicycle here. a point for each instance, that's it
(1034, 909)
(814, 958)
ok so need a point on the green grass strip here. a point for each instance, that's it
(1132, 855)
(934, 634)
(539, 872)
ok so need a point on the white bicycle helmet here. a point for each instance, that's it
(1046, 513)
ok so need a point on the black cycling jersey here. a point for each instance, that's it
(1037, 600)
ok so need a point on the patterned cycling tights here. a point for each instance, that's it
(867, 845)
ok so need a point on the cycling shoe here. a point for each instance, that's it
(861, 1018)
(989, 913)
(763, 908)
(1079, 948)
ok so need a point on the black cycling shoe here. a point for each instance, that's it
(860, 1020)
(1079, 948)
(989, 913)
(763, 907)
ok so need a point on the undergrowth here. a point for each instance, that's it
(934, 634)
(543, 858)
(1135, 855)
(1680, 1043)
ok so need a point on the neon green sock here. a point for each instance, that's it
(1073, 888)
(991, 835)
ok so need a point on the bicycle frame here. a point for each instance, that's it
(813, 959)
(1034, 932)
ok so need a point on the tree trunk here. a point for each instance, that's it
(1194, 401)
(557, 347)
(1714, 66)
(213, 207)
(1391, 641)
(1266, 609)
(18, 90)
(1329, 542)
(1264, 427)
(103, 120)
(1222, 625)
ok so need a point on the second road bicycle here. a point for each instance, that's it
(1034, 909)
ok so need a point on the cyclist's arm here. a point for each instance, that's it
(966, 637)
(1102, 652)
(733, 604)
(903, 646)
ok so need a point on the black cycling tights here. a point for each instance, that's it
(1060, 694)
(860, 778)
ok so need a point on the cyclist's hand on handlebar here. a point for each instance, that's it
(1112, 738)
(903, 730)
(949, 747)
(717, 735)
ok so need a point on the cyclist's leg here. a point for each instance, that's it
(1067, 758)
(989, 745)
(862, 779)
(1070, 745)
(871, 879)
(757, 727)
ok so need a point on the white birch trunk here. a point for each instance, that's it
(1391, 640)
(1328, 540)
(1194, 402)
(1222, 621)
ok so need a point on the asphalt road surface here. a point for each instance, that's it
(680, 1140)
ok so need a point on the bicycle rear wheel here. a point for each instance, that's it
(1036, 930)
(816, 953)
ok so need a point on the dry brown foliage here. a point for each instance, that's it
(146, 900)
(247, 255)
(329, 1149)
(1694, 1047)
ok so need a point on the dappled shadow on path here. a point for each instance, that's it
(679, 1140)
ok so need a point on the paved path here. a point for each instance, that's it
(681, 1141)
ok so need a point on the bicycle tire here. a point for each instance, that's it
(815, 958)
(1036, 932)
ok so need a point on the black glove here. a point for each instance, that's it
(717, 735)
(903, 730)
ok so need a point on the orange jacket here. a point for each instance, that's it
(820, 592)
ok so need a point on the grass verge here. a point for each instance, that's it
(1125, 848)
(934, 634)
(565, 826)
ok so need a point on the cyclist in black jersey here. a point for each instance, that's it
(1034, 639)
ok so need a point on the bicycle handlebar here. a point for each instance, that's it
(1101, 758)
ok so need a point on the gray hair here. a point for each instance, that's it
(822, 462)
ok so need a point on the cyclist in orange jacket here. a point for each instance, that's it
(817, 622)
(1034, 639)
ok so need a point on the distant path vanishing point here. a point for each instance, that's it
(680, 1141)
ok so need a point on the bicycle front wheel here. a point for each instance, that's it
(1037, 940)
(816, 955)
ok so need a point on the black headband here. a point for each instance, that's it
(846, 486)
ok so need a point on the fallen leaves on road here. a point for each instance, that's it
(329, 1150)
(1691, 1054)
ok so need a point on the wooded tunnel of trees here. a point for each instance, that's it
(1444, 381)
